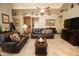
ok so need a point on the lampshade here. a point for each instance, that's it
(25, 26)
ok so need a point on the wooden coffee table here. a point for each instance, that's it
(41, 48)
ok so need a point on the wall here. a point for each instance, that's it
(6, 9)
(70, 13)
(74, 12)
(42, 19)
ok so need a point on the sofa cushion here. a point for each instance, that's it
(46, 31)
(15, 37)
(36, 30)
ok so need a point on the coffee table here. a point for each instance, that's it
(41, 48)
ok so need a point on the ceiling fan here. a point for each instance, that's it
(43, 10)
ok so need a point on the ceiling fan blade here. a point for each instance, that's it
(47, 9)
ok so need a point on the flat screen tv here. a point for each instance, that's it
(72, 23)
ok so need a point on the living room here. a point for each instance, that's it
(33, 20)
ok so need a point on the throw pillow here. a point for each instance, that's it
(15, 37)
(46, 31)
(49, 31)
(43, 31)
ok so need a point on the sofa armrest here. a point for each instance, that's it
(20, 42)
(8, 45)
(23, 39)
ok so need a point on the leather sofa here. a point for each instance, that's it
(37, 31)
(9, 46)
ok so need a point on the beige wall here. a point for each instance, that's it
(6, 9)
(42, 20)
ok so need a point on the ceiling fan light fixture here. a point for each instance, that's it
(42, 11)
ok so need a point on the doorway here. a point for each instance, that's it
(35, 22)
(27, 21)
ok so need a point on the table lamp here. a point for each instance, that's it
(25, 28)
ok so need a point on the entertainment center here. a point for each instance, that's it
(70, 33)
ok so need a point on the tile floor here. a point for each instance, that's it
(56, 47)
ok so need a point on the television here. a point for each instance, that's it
(72, 23)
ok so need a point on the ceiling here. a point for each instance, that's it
(35, 5)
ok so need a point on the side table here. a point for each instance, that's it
(41, 50)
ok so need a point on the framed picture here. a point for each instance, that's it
(50, 22)
(5, 18)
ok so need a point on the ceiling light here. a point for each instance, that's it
(42, 11)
